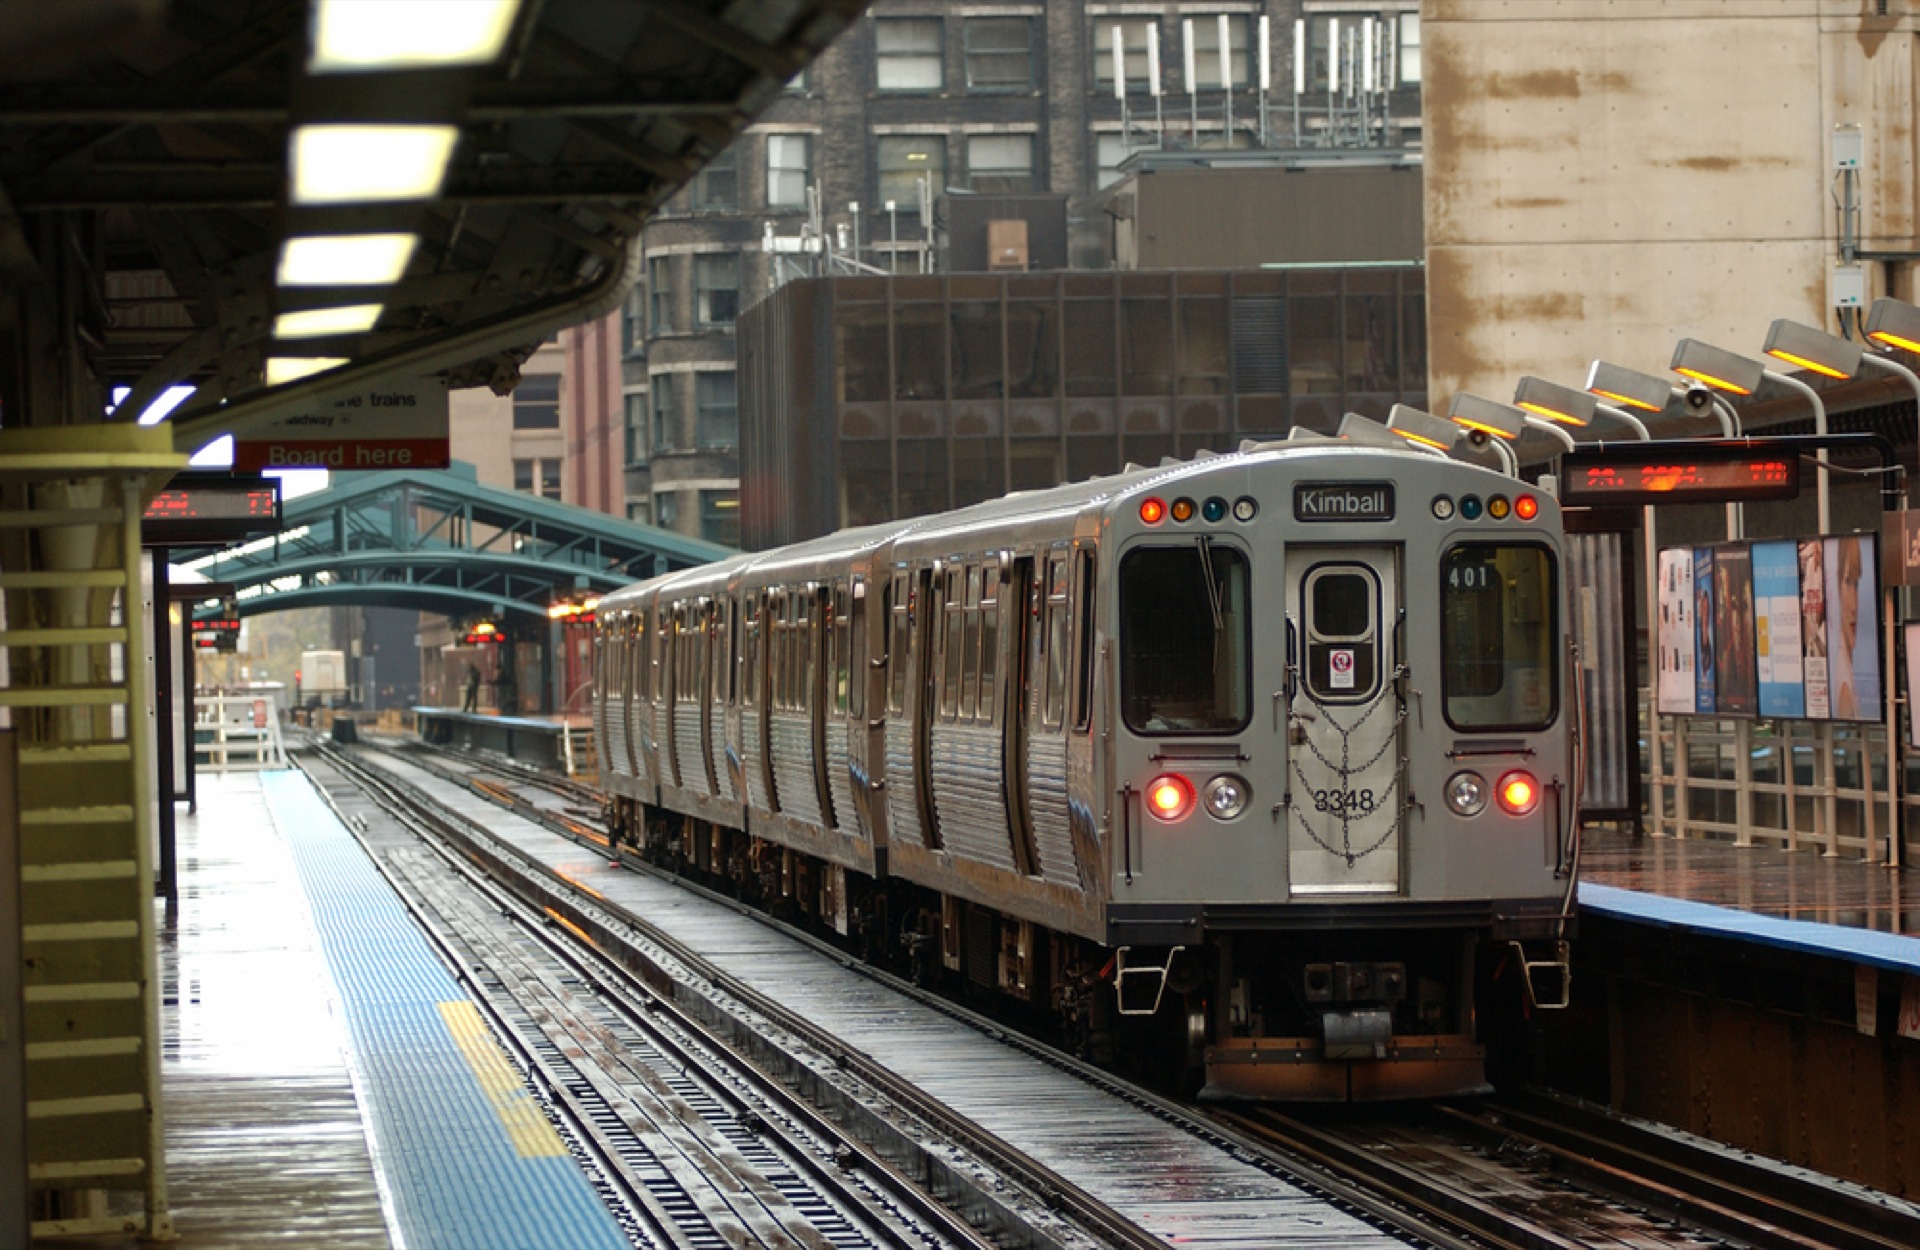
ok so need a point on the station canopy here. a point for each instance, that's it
(190, 189)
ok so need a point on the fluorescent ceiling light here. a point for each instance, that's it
(345, 259)
(293, 368)
(355, 164)
(157, 411)
(217, 454)
(316, 322)
(407, 34)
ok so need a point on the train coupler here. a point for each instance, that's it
(1548, 982)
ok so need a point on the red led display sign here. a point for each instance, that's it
(1672, 472)
(211, 508)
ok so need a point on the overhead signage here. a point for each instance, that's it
(398, 423)
(211, 508)
(1343, 501)
(1663, 473)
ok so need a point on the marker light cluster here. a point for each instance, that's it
(1493, 507)
(1154, 509)
(1517, 793)
(1170, 797)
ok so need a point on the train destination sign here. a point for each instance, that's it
(1343, 501)
(397, 423)
(1680, 471)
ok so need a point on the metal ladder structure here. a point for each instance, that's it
(77, 689)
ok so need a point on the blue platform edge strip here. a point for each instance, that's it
(456, 1179)
(1861, 946)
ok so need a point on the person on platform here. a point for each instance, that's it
(472, 702)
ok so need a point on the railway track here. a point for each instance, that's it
(1495, 1175)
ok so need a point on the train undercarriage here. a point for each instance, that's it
(1311, 1016)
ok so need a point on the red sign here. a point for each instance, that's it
(342, 454)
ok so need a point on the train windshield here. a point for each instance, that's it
(1499, 628)
(1185, 639)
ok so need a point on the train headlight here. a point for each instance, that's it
(1467, 793)
(1519, 792)
(1170, 796)
(1226, 796)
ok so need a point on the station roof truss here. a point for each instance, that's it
(145, 188)
(439, 541)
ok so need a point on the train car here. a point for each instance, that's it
(1260, 764)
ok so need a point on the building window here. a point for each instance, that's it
(536, 402)
(717, 185)
(717, 419)
(1133, 53)
(1110, 152)
(906, 54)
(640, 511)
(789, 170)
(636, 414)
(661, 388)
(716, 288)
(666, 509)
(537, 476)
(999, 54)
(720, 516)
(1206, 50)
(800, 83)
(904, 161)
(659, 296)
(1409, 50)
(1392, 64)
(633, 324)
(1000, 164)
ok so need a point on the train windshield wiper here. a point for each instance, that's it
(1213, 583)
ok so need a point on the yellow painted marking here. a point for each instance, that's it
(525, 1122)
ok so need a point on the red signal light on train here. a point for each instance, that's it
(1153, 510)
(1526, 507)
(1170, 796)
(1519, 793)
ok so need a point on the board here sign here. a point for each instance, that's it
(399, 423)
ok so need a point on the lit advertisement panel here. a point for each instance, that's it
(1703, 665)
(1675, 692)
(1736, 692)
(1813, 628)
(1776, 627)
(1853, 627)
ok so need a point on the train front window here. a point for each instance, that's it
(1499, 628)
(1185, 639)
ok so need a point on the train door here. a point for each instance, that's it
(1345, 781)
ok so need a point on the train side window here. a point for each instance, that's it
(749, 651)
(989, 639)
(842, 650)
(810, 642)
(970, 649)
(953, 611)
(900, 650)
(1053, 643)
(862, 637)
(722, 658)
(1083, 590)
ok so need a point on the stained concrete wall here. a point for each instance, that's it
(1605, 177)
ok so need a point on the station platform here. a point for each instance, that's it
(1800, 901)
(561, 743)
(326, 1080)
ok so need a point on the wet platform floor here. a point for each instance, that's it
(1801, 885)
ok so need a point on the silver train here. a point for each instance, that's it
(1262, 764)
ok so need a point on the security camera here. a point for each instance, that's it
(1697, 399)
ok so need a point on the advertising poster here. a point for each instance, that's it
(1703, 656)
(1736, 687)
(1675, 692)
(1776, 624)
(1853, 627)
(1912, 631)
(1813, 628)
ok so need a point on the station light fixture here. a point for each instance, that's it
(345, 259)
(1423, 429)
(1486, 416)
(1628, 388)
(320, 322)
(1717, 367)
(1813, 350)
(1365, 430)
(353, 35)
(282, 369)
(1894, 323)
(356, 164)
(1555, 402)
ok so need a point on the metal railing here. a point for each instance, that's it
(234, 732)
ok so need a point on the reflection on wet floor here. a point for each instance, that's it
(1765, 880)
